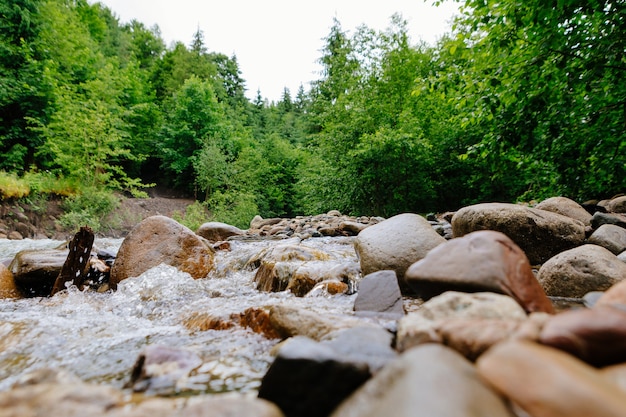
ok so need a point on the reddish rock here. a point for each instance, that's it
(480, 261)
(157, 240)
(258, 320)
(547, 382)
(539, 233)
(8, 289)
(204, 321)
(614, 295)
(597, 335)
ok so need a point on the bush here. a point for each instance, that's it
(11, 186)
(234, 208)
(195, 215)
(88, 208)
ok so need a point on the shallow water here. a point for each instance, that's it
(98, 336)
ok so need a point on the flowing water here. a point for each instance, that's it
(98, 336)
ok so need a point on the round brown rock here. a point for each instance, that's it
(566, 207)
(576, 272)
(395, 244)
(539, 233)
(8, 289)
(216, 231)
(480, 261)
(157, 240)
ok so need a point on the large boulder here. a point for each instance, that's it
(161, 240)
(541, 234)
(427, 381)
(480, 261)
(566, 207)
(577, 271)
(547, 382)
(395, 244)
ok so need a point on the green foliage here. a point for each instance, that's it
(12, 187)
(195, 215)
(232, 207)
(89, 208)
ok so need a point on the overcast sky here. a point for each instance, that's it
(277, 42)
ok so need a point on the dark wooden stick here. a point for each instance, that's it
(74, 266)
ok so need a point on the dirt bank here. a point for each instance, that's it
(20, 219)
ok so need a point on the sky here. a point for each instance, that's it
(278, 42)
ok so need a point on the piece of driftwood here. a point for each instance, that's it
(74, 267)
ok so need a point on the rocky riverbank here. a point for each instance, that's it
(496, 309)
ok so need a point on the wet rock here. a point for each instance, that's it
(157, 240)
(74, 399)
(161, 370)
(575, 272)
(15, 235)
(546, 382)
(539, 233)
(329, 287)
(308, 378)
(259, 222)
(565, 207)
(291, 321)
(422, 326)
(35, 271)
(258, 320)
(352, 228)
(216, 231)
(205, 321)
(8, 288)
(611, 237)
(479, 261)
(285, 253)
(617, 205)
(379, 292)
(596, 336)
(600, 218)
(395, 244)
(412, 386)
(274, 276)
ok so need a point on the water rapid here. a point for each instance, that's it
(98, 336)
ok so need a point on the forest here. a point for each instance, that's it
(521, 100)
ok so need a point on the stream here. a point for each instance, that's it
(98, 336)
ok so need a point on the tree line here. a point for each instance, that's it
(520, 100)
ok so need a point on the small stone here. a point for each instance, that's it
(379, 292)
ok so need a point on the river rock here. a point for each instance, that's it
(547, 382)
(611, 237)
(217, 231)
(259, 222)
(427, 381)
(161, 370)
(566, 207)
(479, 261)
(421, 326)
(157, 240)
(35, 271)
(596, 336)
(309, 379)
(600, 218)
(205, 406)
(617, 205)
(291, 321)
(395, 244)
(379, 293)
(617, 375)
(74, 399)
(539, 233)
(575, 272)
(8, 288)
